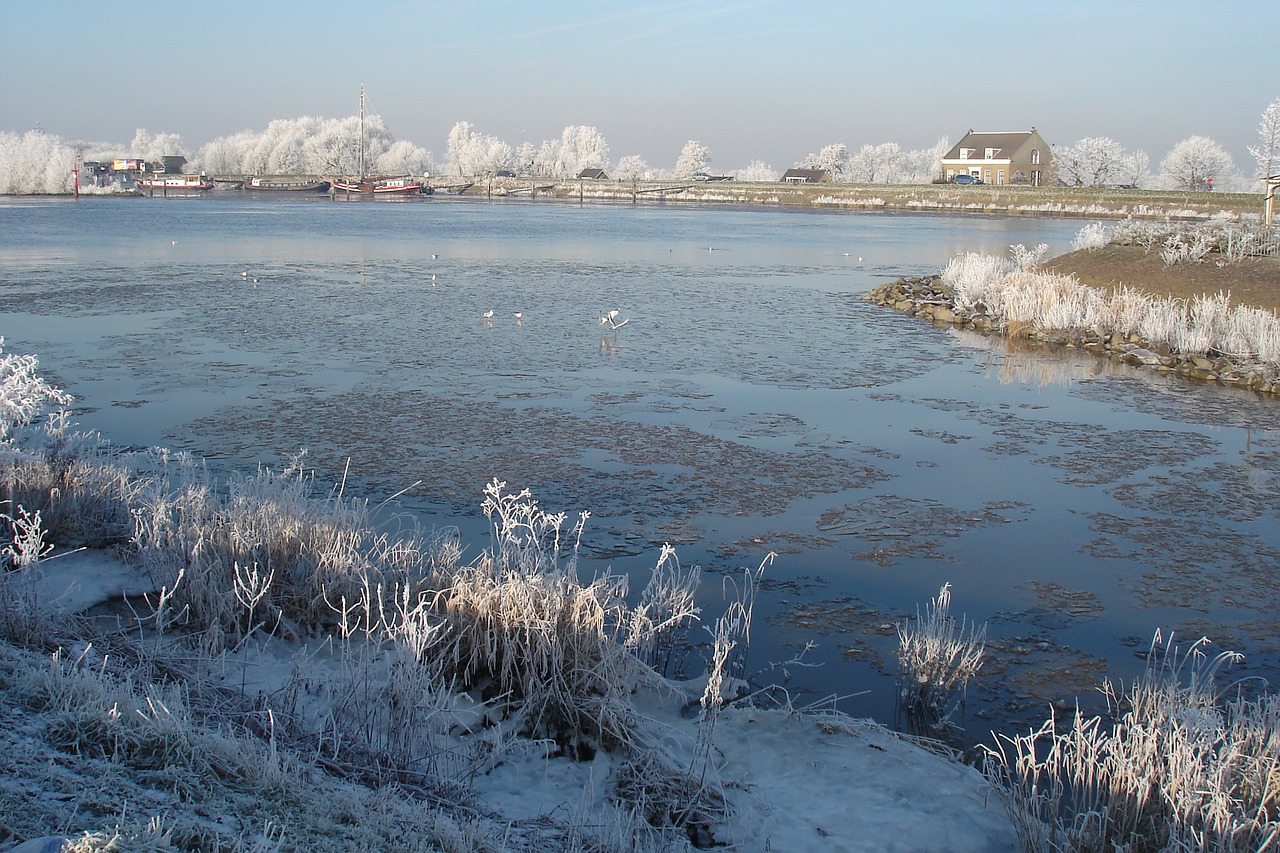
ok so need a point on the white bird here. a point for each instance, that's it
(174, 242)
(434, 256)
(433, 279)
(611, 320)
(519, 316)
(489, 314)
(861, 259)
(244, 274)
(846, 254)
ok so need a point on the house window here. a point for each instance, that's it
(993, 153)
(965, 152)
(1035, 156)
(1035, 178)
(1000, 177)
(986, 176)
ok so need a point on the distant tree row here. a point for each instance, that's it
(37, 162)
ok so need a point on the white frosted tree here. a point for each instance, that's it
(525, 159)
(759, 171)
(470, 152)
(924, 164)
(694, 157)
(583, 147)
(876, 164)
(1134, 170)
(1267, 152)
(35, 163)
(631, 168)
(1093, 161)
(832, 159)
(1193, 162)
(152, 147)
(404, 158)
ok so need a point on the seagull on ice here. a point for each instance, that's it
(519, 318)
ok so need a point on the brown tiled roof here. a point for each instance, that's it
(1007, 143)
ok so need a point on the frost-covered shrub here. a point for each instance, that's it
(1024, 258)
(936, 657)
(82, 485)
(268, 552)
(1180, 766)
(521, 626)
(1093, 236)
(23, 393)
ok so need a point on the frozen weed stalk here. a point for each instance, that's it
(936, 656)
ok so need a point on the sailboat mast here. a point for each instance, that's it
(362, 131)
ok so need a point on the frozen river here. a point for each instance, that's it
(752, 403)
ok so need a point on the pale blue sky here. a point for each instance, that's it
(751, 79)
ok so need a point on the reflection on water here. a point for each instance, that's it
(752, 403)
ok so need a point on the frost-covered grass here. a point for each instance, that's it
(1016, 300)
(1219, 240)
(409, 668)
(1181, 765)
(937, 656)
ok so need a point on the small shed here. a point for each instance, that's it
(806, 176)
(593, 175)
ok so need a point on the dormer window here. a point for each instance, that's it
(965, 152)
(993, 153)
(1035, 156)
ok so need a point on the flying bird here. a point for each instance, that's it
(611, 320)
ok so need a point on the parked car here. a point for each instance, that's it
(966, 179)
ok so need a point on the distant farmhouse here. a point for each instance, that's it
(1000, 158)
(593, 175)
(806, 176)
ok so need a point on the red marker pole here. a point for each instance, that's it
(75, 177)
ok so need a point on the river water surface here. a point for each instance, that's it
(752, 403)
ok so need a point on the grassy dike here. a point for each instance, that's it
(916, 198)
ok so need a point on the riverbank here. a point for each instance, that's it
(1104, 203)
(1133, 292)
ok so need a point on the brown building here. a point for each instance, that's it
(1021, 157)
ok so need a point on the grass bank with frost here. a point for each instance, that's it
(1207, 338)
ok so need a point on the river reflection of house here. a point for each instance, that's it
(1019, 157)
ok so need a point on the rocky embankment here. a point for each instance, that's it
(930, 299)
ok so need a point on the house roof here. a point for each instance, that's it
(814, 175)
(597, 174)
(1007, 143)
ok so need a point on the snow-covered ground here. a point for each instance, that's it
(790, 780)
